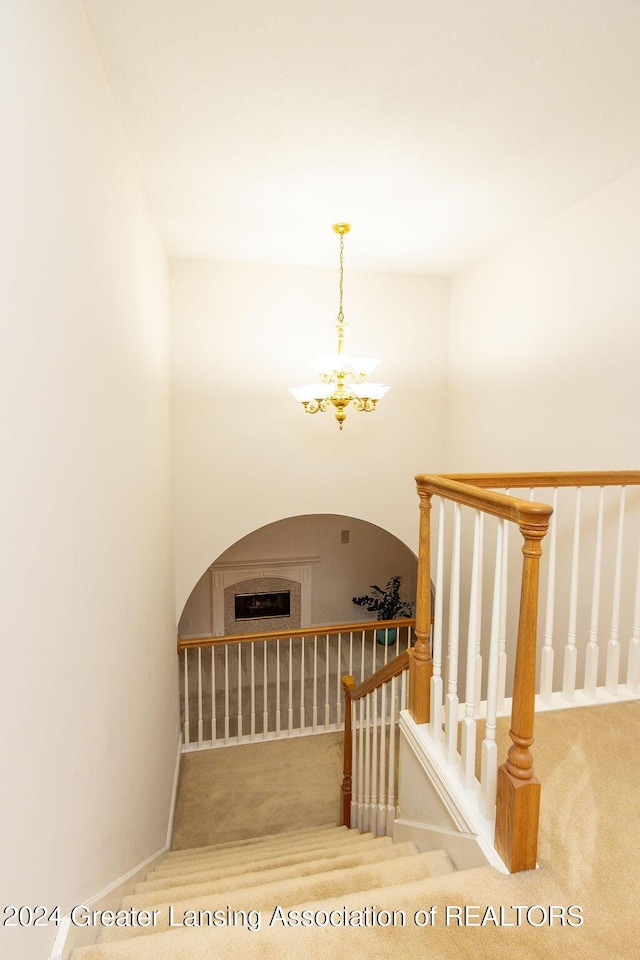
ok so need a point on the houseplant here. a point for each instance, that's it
(388, 604)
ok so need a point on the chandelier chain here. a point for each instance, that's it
(340, 322)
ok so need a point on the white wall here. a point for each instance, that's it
(545, 344)
(245, 452)
(88, 680)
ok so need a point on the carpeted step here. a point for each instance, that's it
(374, 853)
(273, 939)
(257, 841)
(293, 861)
(266, 896)
(281, 843)
(221, 859)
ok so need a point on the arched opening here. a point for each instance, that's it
(321, 561)
(280, 671)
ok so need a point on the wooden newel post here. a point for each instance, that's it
(518, 796)
(348, 683)
(421, 665)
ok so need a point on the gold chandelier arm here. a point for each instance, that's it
(364, 406)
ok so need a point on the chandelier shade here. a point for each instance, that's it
(343, 379)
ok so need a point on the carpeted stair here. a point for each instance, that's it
(248, 879)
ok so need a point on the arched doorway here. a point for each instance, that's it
(331, 557)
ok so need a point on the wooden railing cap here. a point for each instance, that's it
(317, 631)
(390, 670)
(535, 516)
(573, 478)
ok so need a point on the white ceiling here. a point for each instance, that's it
(439, 128)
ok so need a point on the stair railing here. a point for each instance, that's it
(590, 584)
(372, 712)
(463, 675)
(270, 685)
(518, 789)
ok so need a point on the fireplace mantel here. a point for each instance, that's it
(291, 568)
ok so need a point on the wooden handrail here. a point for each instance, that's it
(603, 478)
(390, 670)
(499, 504)
(352, 694)
(323, 630)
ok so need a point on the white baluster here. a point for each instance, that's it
(239, 691)
(290, 684)
(302, 718)
(326, 685)
(633, 664)
(436, 679)
(362, 656)
(613, 647)
(374, 765)
(366, 823)
(570, 652)
(350, 653)
(226, 693)
(355, 782)
(339, 682)
(214, 728)
(468, 752)
(391, 791)
(253, 692)
(360, 820)
(489, 757)
(592, 651)
(477, 669)
(265, 694)
(382, 799)
(315, 684)
(546, 662)
(186, 697)
(278, 703)
(502, 634)
(200, 714)
(451, 702)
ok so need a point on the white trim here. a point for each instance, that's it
(174, 795)
(69, 937)
(463, 848)
(460, 802)
(284, 734)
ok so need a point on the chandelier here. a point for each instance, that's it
(343, 379)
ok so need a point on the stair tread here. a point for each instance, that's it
(145, 897)
(250, 841)
(272, 942)
(288, 892)
(264, 852)
(378, 847)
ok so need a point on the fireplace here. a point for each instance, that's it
(244, 578)
(262, 606)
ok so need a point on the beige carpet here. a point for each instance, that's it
(589, 845)
(232, 793)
